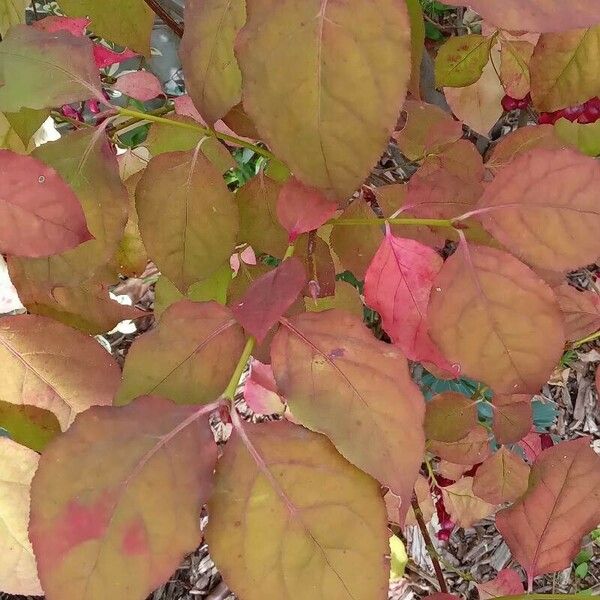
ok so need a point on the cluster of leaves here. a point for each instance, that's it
(106, 472)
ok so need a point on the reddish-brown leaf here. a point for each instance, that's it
(462, 505)
(327, 365)
(48, 365)
(507, 583)
(581, 311)
(544, 208)
(301, 208)
(544, 528)
(450, 417)
(428, 129)
(494, 316)
(520, 141)
(39, 213)
(513, 417)
(472, 449)
(269, 297)
(115, 502)
(503, 477)
(189, 357)
(398, 285)
(397, 510)
(535, 15)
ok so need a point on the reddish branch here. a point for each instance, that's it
(166, 17)
(429, 545)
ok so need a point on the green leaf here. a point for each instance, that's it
(399, 558)
(42, 70)
(26, 122)
(12, 12)
(125, 22)
(461, 60)
(582, 570)
(584, 137)
(29, 425)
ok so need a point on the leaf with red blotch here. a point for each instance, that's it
(450, 417)
(581, 311)
(51, 24)
(141, 85)
(503, 477)
(189, 357)
(104, 57)
(284, 495)
(327, 366)
(513, 417)
(543, 206)
(507, 583)
(495, 317)
(116, 500)
(269, 297)
(18, 570)
(260, 390)
(535, 15)
(470, 450)
(544, 528)
(40, 214)
(463, 506)
(44, 70)
(301, 208)
(428, 129)
(398, 285)
(48, 365)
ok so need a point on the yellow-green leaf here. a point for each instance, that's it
(212, 74)
(584, 137)
(12, 12)
(461, 60)
(417, 41)
(290, 518)
(399, 558)
(126, 22)
(324, 83)
(18, 571)
(28, 425)
(564, 68)
(192, 234)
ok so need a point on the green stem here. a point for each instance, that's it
(229, 393)
(585, 340)
(398, 221)
(141, 116)
(290, 251)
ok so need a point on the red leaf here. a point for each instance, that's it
(398, 285)
(267, 299)
(531, 445)
(104, 57)
(513, 417)
(507, 583)
(301, 208)
(40, 214)
(544, 529)
(52, 24)
(141, 85)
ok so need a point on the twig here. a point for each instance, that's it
(166, 17)
(429, 545)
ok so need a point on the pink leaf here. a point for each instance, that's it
(40, 215)
(104, 57)
(185, 107)
(52, 24)
(141, 85)
(398, 285)
(269, 296)
(507, 583)
(248, 256)
(531, 445)
(260, 390)
(301, 208)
